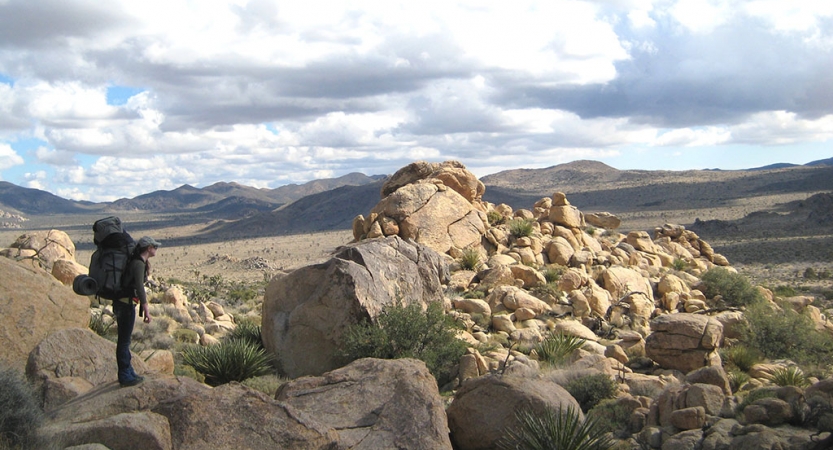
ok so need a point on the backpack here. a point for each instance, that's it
(113, 248)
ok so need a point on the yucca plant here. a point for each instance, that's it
(247, 331)
(99, 324)
(679, 264)
(231, 360)
(521, 227)
(470, 259)
(737, 378)
(789, 376)
(557, 347)
(561, 429)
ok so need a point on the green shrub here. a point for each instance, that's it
(679, 264)
(591, 230)
(408, 332)
(521, 227)
(737, 378)
(268, 384)
(592, 389)
(474, 294)
(248, 332)
(470, 259)
(20, 415)
(784, 291)
(562, 429)
(556, 348)
(789, 376)
(740, 357)
(734, 288)
(495, 218)
(786, 334)
(184, 370)
(230, 360)
(552, 272)
(186, 336)
(99, 323)
(754, 395)
(611, 416)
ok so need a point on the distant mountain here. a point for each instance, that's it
(821, 162)
(34, 201)
(292, 192)
(775, 166)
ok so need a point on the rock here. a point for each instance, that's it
(559, 251)
(771, 412)
(50, 246)
(158, 361)
(620, 281)
(503, 322)
(496, 276)
(374, 403)
(567, 216)
(176, 297)
(483, 407)
(604, 220)
(32, 305)
(706, 396)
(58, 391)
(75, 352)
(528, 275)
(118, 432)
(305, 312)
(472, 306)
(65, 271)
(713, 375)
(575, 328)
(515, 298)
(684, 342)
(685, 440)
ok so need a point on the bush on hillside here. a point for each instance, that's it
(521, 227)
(556, 348)
(786, 334)
(734, 288)
(592, 389)
(408, 332)
(20, 415)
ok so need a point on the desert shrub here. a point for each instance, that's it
(474, 294)
(789, 376)
(591, 230)
(268, 384)
(186, 335)
(741, 357)
(754, 395)
(521, 228)
(679, 264)
(592, 389)
(230, 360)
(561, 429)
(408, 332)
(184, 370)
(611, 416)
(737, 378)
(248, 332)
(484, 321)
(547, 292)
(810, 274)
(784, 291)
(556, 348)
(470, 259)
(100, 324)
(495, 218)
(20, 415)
(734, 288)
(786, 334)
(553, 272)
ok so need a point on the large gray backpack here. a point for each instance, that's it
(114, 246)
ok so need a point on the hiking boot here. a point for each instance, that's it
(132, 382)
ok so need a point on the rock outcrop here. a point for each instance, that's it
(32, 305)
(306, 312)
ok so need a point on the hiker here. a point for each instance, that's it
(138, 269)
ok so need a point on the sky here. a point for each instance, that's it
(105, 100)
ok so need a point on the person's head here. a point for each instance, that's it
(147, 244)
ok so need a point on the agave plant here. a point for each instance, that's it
(231, 360)
(562, 429)
(521, 227)
(470, 259)
(557, 347)
(789, 376)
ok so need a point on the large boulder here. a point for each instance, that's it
(452, 174)
(374, 403)
(46, 247)
(32, 305)
(306, 312)
(75, 353)
(684, 341)
(483, 408)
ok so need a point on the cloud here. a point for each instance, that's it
(8, 157)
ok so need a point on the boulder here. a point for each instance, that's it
(604, 220)
(452, 174)
(484, 407)
(49, 247)
(117, 432)
(684, 342)
(374, 403)
(306, 312)
(75, 352)
(32, 305)
(65, 271)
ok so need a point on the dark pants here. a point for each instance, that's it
(125, 318)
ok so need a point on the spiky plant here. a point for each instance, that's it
(740, 356)
(470, 259)
(557, 347)
(561, 429)
(230, 360)
(99, 324)
(789, 376)
(737, 378)
(247, 331)
(521, 227)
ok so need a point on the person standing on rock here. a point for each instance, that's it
(135, 276)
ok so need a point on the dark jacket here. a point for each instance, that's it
(135, 279)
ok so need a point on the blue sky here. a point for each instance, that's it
(102, 100)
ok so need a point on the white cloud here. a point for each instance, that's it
(8, 157)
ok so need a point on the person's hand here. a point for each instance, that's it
(145, 312)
